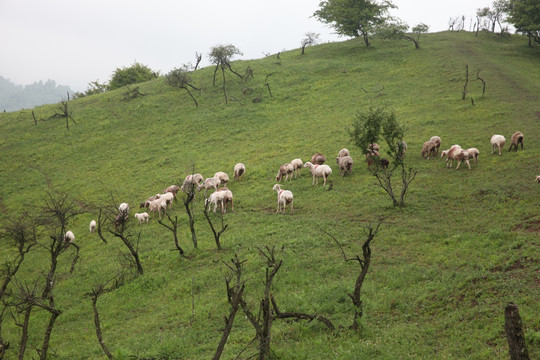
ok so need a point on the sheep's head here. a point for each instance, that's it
(276, 187)
(444, 153)
(308, 164)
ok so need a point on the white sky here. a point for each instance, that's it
(75, 42)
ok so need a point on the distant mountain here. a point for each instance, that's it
(15, 97)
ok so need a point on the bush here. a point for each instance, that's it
(136, 73)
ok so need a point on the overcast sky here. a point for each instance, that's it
(75, 42)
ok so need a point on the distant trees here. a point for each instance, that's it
(355, 18)
(525, 16)
(133, 74)
(220, 56)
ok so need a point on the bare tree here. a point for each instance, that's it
(181, 79)
(310, 39)
(173, 227)
(198, 58)
(217, 234)
(370, 232)
(63, 111)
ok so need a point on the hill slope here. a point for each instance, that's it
(443, 267)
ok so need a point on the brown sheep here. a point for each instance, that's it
(428, 148)
(345, 165)
(517, 138)
(318, 159)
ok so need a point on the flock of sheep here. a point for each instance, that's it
(222, 197)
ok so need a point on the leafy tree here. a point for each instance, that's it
(221, 56)
(310, 39)
(94, 87)
(353, 18)
(379, 123)
(398, 30)
(136, 73)
(525, 16)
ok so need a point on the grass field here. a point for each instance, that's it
(443, 267)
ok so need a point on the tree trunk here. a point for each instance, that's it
(514, 333)
(98, 328)
(24, 336)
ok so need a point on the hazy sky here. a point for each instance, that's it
(75, 42)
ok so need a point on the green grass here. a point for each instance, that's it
(443, 267)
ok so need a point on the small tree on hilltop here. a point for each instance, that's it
(398, 30)
(221, 57)
(310, 39)
(136, 73)
(181, 78)
(378, 123)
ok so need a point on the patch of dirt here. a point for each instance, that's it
(530, 225)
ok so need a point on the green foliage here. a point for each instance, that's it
(221, 55)
(525, 16)
(133, 74)
(353, 17)
(94, 87)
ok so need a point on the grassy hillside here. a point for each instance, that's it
(443, 269)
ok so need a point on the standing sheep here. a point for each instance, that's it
(473, 154)
(318, 171)
(343, 152)
(190, 182)
(318, 158)
(239, 170)
(208, 184)
(537, 179)
(93, 226)
(69, 237)
(345, 165)
(497, 141)
(517, 138)
(223, 177)
(142, 217)
(437, 141)
(401, 148)
(284, 197)
(172, 189)
(285, 170)
(297, 167)
(428, 148)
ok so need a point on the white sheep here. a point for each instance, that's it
(239, 171)
(190, 182)
(343, 152)
(437, 141)
(473, 154)
(226, 199)
(537, 179)
(318, 171)
(172, 189)
(215, 198)
(345, 164)
(124, 208)
(428, 148)
(157, 206)
(497, 141)
(401, 148)
(284, 197)
(223, 177)
(168, 197)
(297, 167)
(517, 138)
(318, 158)
(285, 170)
(445, 153)
(69, 237)
(458, 154)
(142, 217)
(209, 183)
(93, 226)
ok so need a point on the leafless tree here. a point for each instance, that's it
(217, 234)
(370, 231)
(63, 111)
(173, 227)
(310, 39)
(198, 58)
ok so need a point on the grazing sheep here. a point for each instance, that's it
(284, 197)
(374, 147)
(239, 170)
(537, 179)
(147, 201)
(436, 140)
(226, 199)
(428, 148)
(318, 171)
(69, 237)
(497, 141)
(458, 154)
(370, 155)
(517, 138)
(473, 154)
(345, 165)
(318, 159)
(157, 205)
(168, 197)
(343, 152)
(142, 217)
(172, 189)
(208, 184)
(297, 167)
(285, 170)
(93, 226)
(123, 208)
(385, 163)
(401, 148)
(223, 177)
(190, 182)
(215, 198)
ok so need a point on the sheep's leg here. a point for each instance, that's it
(324, 177)
(458, 163)
(468, 163)
(499, 150)
(277, 209)
(291, 207)
(313, 182)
